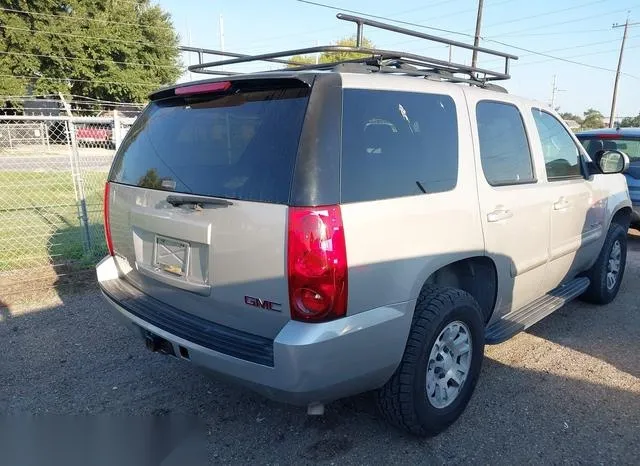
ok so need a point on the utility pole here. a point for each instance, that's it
(554, 90)
(221, 37)
(615, 85)
(188, 54)
(476, 40)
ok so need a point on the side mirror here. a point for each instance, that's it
(611, 161)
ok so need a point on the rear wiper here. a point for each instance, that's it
(178, 200)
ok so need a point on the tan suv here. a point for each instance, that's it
(331, 229)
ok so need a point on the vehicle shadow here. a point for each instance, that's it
(579, 325)
(76, 359)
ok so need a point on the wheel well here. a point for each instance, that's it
(622, 217)
(475, 275)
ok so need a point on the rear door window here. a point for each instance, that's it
(504, 147)
(238, 146)
(397, 144)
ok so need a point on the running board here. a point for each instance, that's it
(521, 319)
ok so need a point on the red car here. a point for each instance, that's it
(95, 135)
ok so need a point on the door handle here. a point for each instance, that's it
(499, 214)
(561, 204)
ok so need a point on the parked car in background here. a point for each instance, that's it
(625, 140)
(95, 135)
(100, 134)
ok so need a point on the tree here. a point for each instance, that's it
(631, 122)
(593, 119)
(571, 116)
(105, 49)
(328, 57)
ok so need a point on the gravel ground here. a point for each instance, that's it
(566, 391)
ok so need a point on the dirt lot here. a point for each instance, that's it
(567, 391)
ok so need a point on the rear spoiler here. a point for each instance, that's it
(233, 85)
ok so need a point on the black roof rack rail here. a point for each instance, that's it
(373, 59)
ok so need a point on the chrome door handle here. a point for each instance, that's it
(561, 204)
(499, 214)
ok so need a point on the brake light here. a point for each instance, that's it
(609, 136)
(317, 264)
(203, 88)
(107, 226)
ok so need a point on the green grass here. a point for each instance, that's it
(39, 219)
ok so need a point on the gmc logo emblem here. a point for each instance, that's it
(262, 303)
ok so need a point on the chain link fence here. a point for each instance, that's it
(52, 175)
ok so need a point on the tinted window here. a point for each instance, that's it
(561, 155)
(240, 146)
(504, 148)
(396, 143)
(631, 147)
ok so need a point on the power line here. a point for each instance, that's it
(552, 57)
(575, 47)
(67, 34)
(547, 13)
(533, 52)
(577, 20)
(56, 98)
(97, 60)
(564, 33)
(83, 18)
(355, 12)
(93, 81)
(588, 54)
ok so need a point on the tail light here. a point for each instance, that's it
(317, 264)
(107, 226)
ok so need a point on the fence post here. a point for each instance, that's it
(45, 133)
(78, 182)
(117, 130)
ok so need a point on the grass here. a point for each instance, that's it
(40, 219)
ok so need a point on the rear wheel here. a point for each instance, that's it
(440, 366)
(606, 274)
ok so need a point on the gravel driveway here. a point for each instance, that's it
(566, 391)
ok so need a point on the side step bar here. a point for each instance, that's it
(521, 319)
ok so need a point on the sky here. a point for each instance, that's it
(578, 30)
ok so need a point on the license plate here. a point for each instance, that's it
(171, 256)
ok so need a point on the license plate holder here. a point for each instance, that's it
(171, 256)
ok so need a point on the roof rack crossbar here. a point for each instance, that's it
(373, 59)
(409, 32)
(368, 55)
(222, 53)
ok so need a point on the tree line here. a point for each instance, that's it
(104, 49)
(593, 119)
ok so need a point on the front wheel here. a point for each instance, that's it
(606, 274)
(440, 365)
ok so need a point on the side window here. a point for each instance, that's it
(561, 154)
(504, 147)
(397, 144)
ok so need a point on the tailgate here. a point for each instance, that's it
(198, 203)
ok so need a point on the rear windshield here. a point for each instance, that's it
(631, 147)
(240, 146)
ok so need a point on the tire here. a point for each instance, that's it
(403, 400)
(599, 291)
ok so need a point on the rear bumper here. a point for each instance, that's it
(305, 363)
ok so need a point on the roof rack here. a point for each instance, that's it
(372, 60)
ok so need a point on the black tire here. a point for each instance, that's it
(403, 400)
(598, 291)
